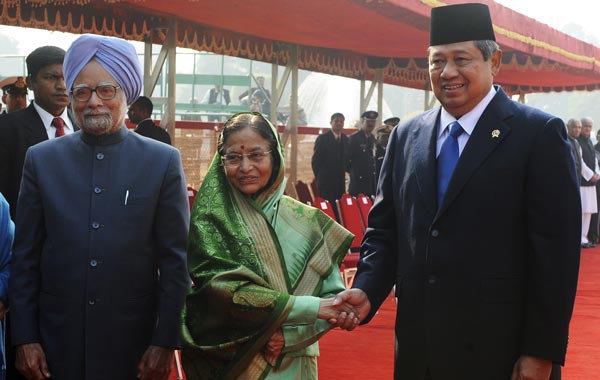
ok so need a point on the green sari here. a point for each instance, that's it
(253, 263)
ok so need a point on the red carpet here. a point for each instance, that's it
(367, 353)
(583, 355)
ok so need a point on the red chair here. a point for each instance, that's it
(325, 206)
(351, 219)
(364, 205)
(191, 196)
(304, 195)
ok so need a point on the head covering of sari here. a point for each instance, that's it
(116, 55)
(239, 299)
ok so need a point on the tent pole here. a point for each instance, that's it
(293, 175)
(379, 78)
(274, 94)
(171, 42)
(362, 96)
(148, 85)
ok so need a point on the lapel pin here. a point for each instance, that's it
(495, 133)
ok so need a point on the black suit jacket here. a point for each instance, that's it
(18, 131)
(149, 129)
(328, 162)
(491, 273)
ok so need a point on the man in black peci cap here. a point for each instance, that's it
(360, 160)
(14, 93)
(476, 223)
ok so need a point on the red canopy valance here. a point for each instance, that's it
(341, 37)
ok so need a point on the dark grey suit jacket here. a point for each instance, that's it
(328, 165)
(99, 261)
(491, 273)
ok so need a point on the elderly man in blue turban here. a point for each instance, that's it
(99, 264)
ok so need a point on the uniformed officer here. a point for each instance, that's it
(382, 136)
(360, 162)
(14, 93)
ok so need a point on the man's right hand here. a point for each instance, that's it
(361, 303)
(31, 361)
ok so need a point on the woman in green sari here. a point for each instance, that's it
(264, 265)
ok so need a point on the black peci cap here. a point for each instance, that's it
(460, 22)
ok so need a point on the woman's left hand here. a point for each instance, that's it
(274, 346)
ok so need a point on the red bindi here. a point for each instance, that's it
(242, 147)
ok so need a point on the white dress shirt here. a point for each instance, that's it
(47, 120)
(467, 121)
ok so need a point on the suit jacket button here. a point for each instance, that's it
(95, 225)
(435, 233)
(92, 302)
(97, 190)
(93, 263)
(100, 156)
(431, 279)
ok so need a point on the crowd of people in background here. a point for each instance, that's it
(360, 155)
(587, 163)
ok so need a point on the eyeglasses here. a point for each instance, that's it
(104, 92)
(234, 160)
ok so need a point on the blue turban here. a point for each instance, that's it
(116, 55)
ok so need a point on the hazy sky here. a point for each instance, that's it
(552, 12)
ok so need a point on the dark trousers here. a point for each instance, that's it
(592, 234)
(11, 372)
(427, 375)
(554, 375)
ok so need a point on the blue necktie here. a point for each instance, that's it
(447, 159)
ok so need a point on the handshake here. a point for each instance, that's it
(346, 310)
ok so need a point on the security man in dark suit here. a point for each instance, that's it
(21, 129)
(360, 161)
(328, 161)
(476, 223)
(140, 112)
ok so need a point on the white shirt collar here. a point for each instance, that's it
(468, 120)
(47, 119)
(148, 118)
